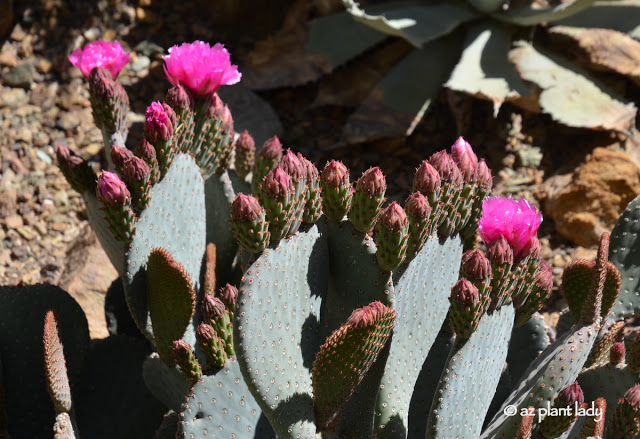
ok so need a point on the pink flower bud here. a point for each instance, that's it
(212, 308)
(310, 171)
(277, 183)
(632, 396)
(446, 167)
(245, 141)
(483, 175)
(178, 97)
(532, 249)
(500, 252)
(617, 353)
(335, 174)
(372, 182)
(475, 265)
(205, 333)
(292, 165)
(170, 113)
(272, 149)
(120, 155)
(367, 315)
(544, 277)
(111, 190)
(214, 110)
(158, 125)
(227, 120)
(465, 293)
(571, 394)
(145, 150)
(135, 170)
(200, 68)
(517, 221)
(68, 158)
(393, 217)
(426, 179)
(245, 208)
(465, 158)
(228, 294)
(417, 206)
(109, 56)
(101, 83)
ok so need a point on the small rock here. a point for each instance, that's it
(25, 135)
(19, 77)
(18, 34)
(59, 227)
(141, 63)
(92, 34)
(13, 222)
(109, 35)
(44, 157)
(44, 65)
(68, 121)
(8, 56)
(27, 232)
(589, 202)
(13, 97)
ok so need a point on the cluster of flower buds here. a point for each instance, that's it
(135, 172)
(75, 169)
(625, 421)
(215, 333)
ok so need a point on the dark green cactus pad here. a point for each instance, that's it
(174, 220)
(114, 249)
(219, 194)
(171, 301)
(427, 383)
(608, 381)
(527, 342)
(576, 283)
(422, 290)
(167, 384)
(356, 279)
(113, 401)
(276, 329)
(469, 381)
(624, 252)
(220, 406)
(169, 426)
(557, 367)
(22, 315)
(116, 312)
(610, 333)
(55, 366)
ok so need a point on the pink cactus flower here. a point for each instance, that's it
(517, 221)
(108, 55)
(200, 68)
(158, 124)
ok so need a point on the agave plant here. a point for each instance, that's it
(490, 49)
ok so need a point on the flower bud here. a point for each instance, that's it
(120, 155)
(228, 295)
(292, 165)
(101, 83)
(177, 97)
(393, 217)
(67, 158)
(533, 249)
(475, 265)
(310, 172)
(145, 150)
(186, 359)
(571, 394)
(500, 252)
(632, 396)
(170, 113)
(227, 120)
(277, 183)
(212, 308)
(367, 315)
(216, 106)
(205, 333)
(544, 277)
(135, 170)
(272, 149)
(446, 167)
(335, 174)
(426, 179)
(417, 206)
(372, 182)
(465, 293)
(245, 208)
(465, 158)
(483, 175)
(111, 190)
(617, 353)
(158, 125)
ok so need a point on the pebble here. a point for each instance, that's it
(13, 222)
(27, 232)
(92, 34)
(13, 98)
(141, 63)
(44, 157)
(68, 121)
(20, 76)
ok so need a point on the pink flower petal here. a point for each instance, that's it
(108, 55)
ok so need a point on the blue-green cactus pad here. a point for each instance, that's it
(221, 407)
(114, 249)
(422, 290)
(556, 368)
(469, 379)
(624, 252)
(527, 342)
(276, 329)
(113, 401)
(28, 406)
(174, 220)
(166, 383)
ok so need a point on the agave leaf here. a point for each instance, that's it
(605, 49)
(569, 95)
(530, 16)
(417, 24)
(620, 15)
(484, 70)
(340, 38)
(398, 102)
(487, 5)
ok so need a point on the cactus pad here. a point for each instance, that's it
(167, 384)
(22, 354)
(527, 342)
(220, 406)
(174, 220)
(469, 381)
(276, 329)
(55, 366)
(114, 249)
